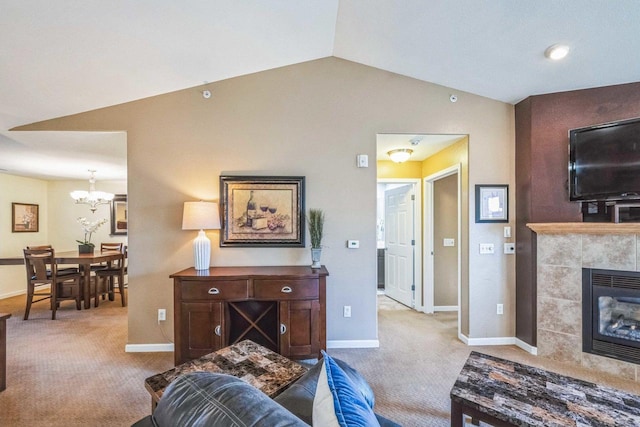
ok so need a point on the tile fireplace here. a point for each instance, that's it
(564, 252)
(611, 313)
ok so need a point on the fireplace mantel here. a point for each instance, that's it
(585, 228)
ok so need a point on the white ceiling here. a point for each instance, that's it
(65, 57)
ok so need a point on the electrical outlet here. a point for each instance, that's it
(500, 309)
(347, 311)
(162, 315)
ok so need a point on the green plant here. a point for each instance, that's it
(315, 220)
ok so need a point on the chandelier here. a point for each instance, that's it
(92, 197)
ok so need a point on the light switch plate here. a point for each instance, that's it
(353, 244)
(510, 248)
(448, 242)
(362, 160)
(486, 248)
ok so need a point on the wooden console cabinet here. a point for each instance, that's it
(281, 308)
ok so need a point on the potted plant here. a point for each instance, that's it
(315, 222)
(85, 246)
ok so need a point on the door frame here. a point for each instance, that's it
(429, 243)
(417, 254)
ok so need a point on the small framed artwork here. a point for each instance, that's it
(262, 211)
(492, 203)
(119, 224)
(25, 218)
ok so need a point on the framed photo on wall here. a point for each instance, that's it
(492, 203)
(119, 214)
(25, 218)
(262, 211)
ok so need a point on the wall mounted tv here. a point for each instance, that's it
(604, 162)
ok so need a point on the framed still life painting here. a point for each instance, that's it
(25, 218)
(262, 211)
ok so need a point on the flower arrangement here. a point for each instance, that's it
(89, 228)
(316, 224)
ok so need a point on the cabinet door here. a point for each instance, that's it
(202, 329)
(300, 329)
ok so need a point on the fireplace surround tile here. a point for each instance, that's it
(613, 252)
(560, 347)
(560, 315)
(607, 365)
(559, 250)
(560, 282)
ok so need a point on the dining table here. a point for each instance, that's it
(84, 262)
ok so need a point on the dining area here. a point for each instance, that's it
(77, 275)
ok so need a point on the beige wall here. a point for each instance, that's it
(308, 119)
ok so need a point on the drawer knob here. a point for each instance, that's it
(217, 330)
(286, 290)
(283, 329)
(214, 291)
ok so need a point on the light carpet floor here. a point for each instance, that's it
(74, 372)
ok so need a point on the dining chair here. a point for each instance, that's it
(65, 270)
(105, 279)
(44, 281)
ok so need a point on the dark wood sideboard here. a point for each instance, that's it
(282, 308)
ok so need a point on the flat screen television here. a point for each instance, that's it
(604, 162)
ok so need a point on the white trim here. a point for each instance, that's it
(13, 294)
(463, 338)
(353, 344)
(526, 347)
(417, 215)
(445, 308)
(149, 348)
(491, 341)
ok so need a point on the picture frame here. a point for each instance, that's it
(25, 218)
(262, 211)
(119, 215)
(492, 203)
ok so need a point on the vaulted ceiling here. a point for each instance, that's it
(68, 56)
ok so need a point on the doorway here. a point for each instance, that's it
(398, 228)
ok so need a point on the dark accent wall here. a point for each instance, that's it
(542, 126)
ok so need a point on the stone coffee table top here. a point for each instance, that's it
(522, 395)
(264, 369)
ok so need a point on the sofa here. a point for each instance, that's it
(212, 399)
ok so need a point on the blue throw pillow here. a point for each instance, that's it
(338, 403)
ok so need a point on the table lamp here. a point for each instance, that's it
(201, 216)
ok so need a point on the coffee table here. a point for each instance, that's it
(264, 369)
(505, 393)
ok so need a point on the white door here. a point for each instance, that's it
(399, 242)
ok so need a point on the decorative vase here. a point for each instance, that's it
(85, 249)
(315, 257)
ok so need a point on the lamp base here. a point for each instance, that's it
(202, 251)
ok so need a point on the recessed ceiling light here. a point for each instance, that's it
(556, 52)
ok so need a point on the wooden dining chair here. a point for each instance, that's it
(44, 281)
(63, 270)
(106, 277)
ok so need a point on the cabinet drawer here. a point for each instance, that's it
(214, 290)
(286, 288)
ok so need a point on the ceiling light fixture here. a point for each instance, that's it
(556, 52)
(400, 155)
(92, 197)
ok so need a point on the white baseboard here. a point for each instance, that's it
(526, 347)
(149, 348)
(353, 344)
(445, 308)
(499, 341)
(13, 294)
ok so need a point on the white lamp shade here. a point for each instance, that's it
(200, 216)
